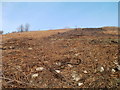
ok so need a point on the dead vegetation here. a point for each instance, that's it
(82, 58)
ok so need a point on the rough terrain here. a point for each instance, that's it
(68, 58)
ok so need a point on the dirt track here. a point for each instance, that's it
(70, 58)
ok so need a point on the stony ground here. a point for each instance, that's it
(68, 58)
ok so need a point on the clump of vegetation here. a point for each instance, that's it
(105, 41)
(1, 32)
(21, 28)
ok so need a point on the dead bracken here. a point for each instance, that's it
(70, 58)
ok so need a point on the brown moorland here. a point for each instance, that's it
(64, 58)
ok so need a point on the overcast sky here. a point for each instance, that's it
(56, 15)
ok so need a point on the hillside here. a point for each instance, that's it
(64, 58)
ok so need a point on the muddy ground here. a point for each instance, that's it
(68, 58)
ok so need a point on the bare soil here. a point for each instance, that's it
(68, 58)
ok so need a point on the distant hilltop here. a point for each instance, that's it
(108, 28)
(111, 28)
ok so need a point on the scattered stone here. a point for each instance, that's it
(58, 63)
(76, 54)
(115, 62)
(39, 68)
(113, 70)
(35, 75)
(101, 69)
(96, 59)
(11, 47)
(58, 71)
(80, 84)
(18, 67)
(31, 81)
(75, 76)
(69, 65)
(118, 67)
(29, 48)
(73, 49)
(85, 71)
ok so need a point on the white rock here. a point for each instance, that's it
(77, 78)
(80, 84)
(35, 75)
(19, 68)
(29, 48)
(76, 54)
(101, 69)
(58, 63)
(69, 65)
(58, 71)
(115, 62)
(113, 70)
(118, 67)
(11, 47)
(39, 68)
(85, 71)
(96, 59)
(90, 52)
(74, 48)
(31, 81)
